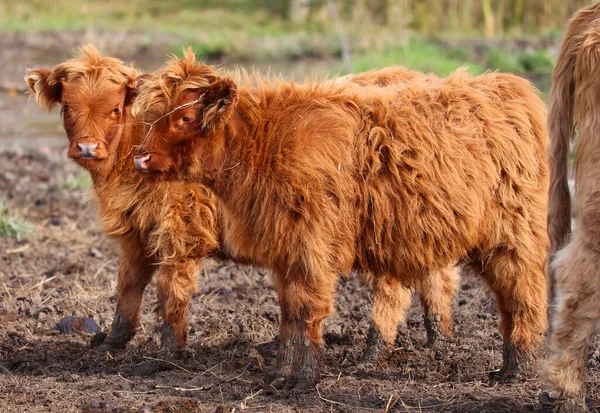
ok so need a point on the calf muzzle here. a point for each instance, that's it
(141, 162)
(87, 151)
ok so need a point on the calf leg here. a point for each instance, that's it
(176, 284)
(390, 302)
(305, 302)
(135, 272)
(437, 292)
(574, 325)
(519, 282)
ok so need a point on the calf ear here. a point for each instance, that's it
(133, 88)
(220, 98)
(46, 94)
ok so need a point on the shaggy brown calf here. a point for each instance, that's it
(320, 179)
(574, 101)
(166, 228)
(169, 227)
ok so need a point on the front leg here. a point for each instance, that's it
(135, 272)
(176, 283)
(305, 302)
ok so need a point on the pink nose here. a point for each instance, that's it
(87, 150)
(141, 162)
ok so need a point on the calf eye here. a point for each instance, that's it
(186, 118)
(116, 111)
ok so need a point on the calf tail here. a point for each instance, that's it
(561, 127)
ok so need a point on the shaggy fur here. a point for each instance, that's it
(574, 101)
(172, 238)
(391, 298)
(166, 228)
(319, 179)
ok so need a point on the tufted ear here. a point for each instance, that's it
(219, 100)
(133, 88)
(46, 93)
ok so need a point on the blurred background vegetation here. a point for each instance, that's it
(430, 35)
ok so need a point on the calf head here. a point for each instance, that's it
(185, 107)
(94, 92)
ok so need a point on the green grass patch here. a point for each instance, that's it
(81, 181)
(433, 57)
(11, 225)
(183, 17)
(418, 54)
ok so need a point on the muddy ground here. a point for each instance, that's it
(68, 267)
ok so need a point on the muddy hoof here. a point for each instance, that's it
(279, 383)
(501, 377)
(101, 342)
(555, 402)
(374, 347)
(98, 339)
(516, 363)
(148, 368)
(434, 329)
(107, 347)
(293, 384)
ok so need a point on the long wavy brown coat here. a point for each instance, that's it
(168, 228)
(575, 101)
(320, 179)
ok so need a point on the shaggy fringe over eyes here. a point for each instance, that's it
(89, 65)
(157, 95)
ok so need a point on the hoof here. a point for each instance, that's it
(294, 384)
(515, 362)
(498, 376)
(374, 346)
(98, 339)
(434, 329)
(557, 402)
(101, 342)
(149, 368)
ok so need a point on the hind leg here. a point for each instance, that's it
(390, 303)
(135, 272)
(575, 324)
(519, 283)
(437, 292)
(176, 283)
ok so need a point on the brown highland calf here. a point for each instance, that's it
(167, 228)
(170, 227)
(320, 179)
(575, 100)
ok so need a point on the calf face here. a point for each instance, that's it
(184, 117)
(94, 93)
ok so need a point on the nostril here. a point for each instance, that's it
(87, 150)
(141, 162)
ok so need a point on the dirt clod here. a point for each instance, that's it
(77, 325)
